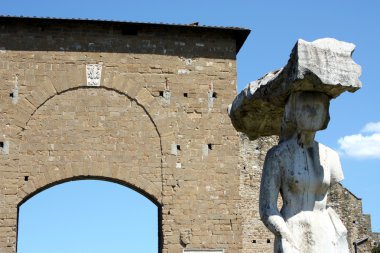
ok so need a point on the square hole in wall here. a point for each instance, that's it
(185, 95)
(4, 147)
(128, 30)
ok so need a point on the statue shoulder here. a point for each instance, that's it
(327, 149)
(327, 153)
(330, 158)
(277, 153)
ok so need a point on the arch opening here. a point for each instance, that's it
(87, 214)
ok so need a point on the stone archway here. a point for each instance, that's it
(138, 224)
(90, 133)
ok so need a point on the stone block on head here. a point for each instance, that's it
(324, 65)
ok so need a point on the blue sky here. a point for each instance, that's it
(88, 216)
(276, 26)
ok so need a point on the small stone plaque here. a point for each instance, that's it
(94, 74)
(203, 251)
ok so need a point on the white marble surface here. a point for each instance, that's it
(302, 170)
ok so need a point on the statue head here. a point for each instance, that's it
(305, 111)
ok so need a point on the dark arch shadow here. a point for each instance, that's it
(152, 198)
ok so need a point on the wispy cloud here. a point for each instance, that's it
(365, 144)
(372, 127)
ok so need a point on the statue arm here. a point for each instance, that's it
(269, 191)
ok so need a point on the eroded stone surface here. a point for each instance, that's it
(324, 65)
(301, 171)
(256, 237)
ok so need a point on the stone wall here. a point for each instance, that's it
(375, 240)
(256, 237)
(349, 208)
(143, 106)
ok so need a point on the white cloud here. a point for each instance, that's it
(362, 145)
(372, 127)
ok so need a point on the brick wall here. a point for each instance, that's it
(349, 208)
(375, 239)
(256, 237)
(157, 122)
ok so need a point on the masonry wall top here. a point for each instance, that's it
(24, 26)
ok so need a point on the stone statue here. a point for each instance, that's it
(293, 103)
(302, 170)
